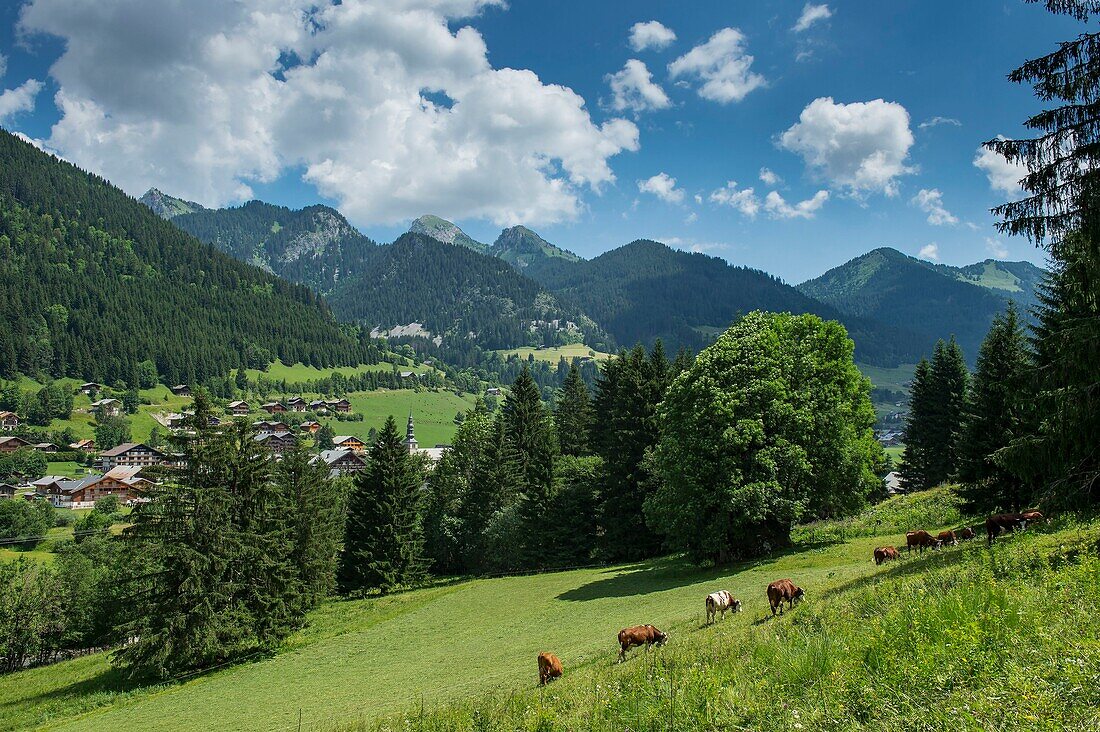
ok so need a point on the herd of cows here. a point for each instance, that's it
(785, 591)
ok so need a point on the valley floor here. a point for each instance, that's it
(466, 652)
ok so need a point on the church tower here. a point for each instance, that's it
(410, 437)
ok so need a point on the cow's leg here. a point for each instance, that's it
(622, 653)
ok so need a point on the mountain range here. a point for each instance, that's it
(508, 293)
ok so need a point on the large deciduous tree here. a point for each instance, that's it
(770, 425)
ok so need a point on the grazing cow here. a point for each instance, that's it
(549, 668)
(921, 539)
(947, 537)
(885, 554)
(1028, 517)
(1001, 522)
(966, 534)
(721, 601)
(639, 635)
(784, 590)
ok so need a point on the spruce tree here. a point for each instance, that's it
(915, 468)
(529, 449)
(316, 517)
(948, 381)
(997, 412)
(573, 415)
(383, 544)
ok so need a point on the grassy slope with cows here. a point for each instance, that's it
(960, 639)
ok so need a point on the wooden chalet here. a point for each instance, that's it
(44, 447)
(7, 491)
(274, 408)
(83, 445)
(310, 426)
(107, 407)
(9, 421)
(349, 442)
(89, 388)
(341, 462)
(319, 405)
(238, 408)
(297, 404)
(339, 405)
(267, 426)
(277, 442)
(132, 454)
(124, 482)
(181, 390)
(13, 443)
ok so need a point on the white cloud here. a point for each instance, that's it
(663, 186)
(778, 208)
(19, 99)
(204, 105)
(722, 66)
(769, 178)
(691, 218)
(3, 65)
(931, 202)
(1004, 177)
(633, 89)
(859, 147)
(937, 121)
(930, 251)
(996, 247)
(744, 200)
(650, 34)
(812, 14)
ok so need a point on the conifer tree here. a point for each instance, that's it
(573, 415)
(997, 413)
(915, 468)
(948, 381)
(316, 518)
(530, 449)
(383, 544)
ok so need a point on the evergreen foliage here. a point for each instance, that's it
(573, 415)
(383, 542)
(771, 425)
(936, 401)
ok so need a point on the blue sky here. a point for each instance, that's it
(867, 114)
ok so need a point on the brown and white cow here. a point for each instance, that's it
(1002, 522)
(639, 635)
(782, 591)
(947, 537)
(549, 667)
(720, 602)
(966, 534)
(921, 539)
(885, 554)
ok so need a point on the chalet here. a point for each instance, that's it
(408, 374)
(274, 408)
(83, 445)
(310, 426)
(339, 405)
(892, 481)
(7, 491)
(277, 442)
(13, 443)
(263, 426)
(493, 391)
(319, 405)
(44, 447)
(349, 442)
(238, 408)
(123, 482)
(182, 390)
(9, 421)
(107, 407)
(434, 454)
(297, 404)
(341, 462)
(90, 388)
(132, 454)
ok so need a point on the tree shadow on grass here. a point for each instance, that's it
(671, 573)
(105, 685)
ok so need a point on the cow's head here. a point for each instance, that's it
(736, 606)
(662, 638)
(938, 544)
(799, 593)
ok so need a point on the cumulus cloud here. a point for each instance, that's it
(937, 121)
(633, 89)
(663, 186)
(778, 208)
(384, 107)
(1004, 177)
(721, 66)
(812, 14)
(768, 178)
(930, 251)
(859, 147)
(744, 200)
(930, 200)
(19, 99)
(996, 247)
(650, 34)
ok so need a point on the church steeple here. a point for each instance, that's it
(410, 437)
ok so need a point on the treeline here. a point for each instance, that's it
(92, 283)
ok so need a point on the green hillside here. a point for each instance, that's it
(446, 232)
(527, 251)
(861, 648)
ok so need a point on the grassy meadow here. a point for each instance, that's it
(553, 355)
(942, 641)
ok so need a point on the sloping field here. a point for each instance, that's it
(471, 648)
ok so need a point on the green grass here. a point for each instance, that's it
(65, 467)
(895, 379)
(938, 507)
(553, 355)
(433, 413)
(279, 371)
(895, 452)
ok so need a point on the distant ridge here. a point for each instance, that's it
(446, 232)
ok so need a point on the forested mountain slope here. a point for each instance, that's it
(453, 291)
(938, 300)
(93, 282)
(647, 290)
(527, 251)
(315, 246)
